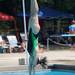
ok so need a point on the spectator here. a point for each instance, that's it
(72, 31)
(72, 28)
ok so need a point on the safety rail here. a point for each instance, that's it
(59, 36)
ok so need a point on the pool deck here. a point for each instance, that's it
(11, 61)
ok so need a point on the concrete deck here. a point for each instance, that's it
(11, 61)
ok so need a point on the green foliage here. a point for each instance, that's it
(4, 26)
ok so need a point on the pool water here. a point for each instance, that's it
(46, 72)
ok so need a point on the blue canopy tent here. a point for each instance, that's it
(47, 12)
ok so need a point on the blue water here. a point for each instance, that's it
(46, 72)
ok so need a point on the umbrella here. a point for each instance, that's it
(5, 17)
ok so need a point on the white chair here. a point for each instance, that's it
(12, 42)
(2, 44)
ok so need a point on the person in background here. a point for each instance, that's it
(72, 27)
(72, 31)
